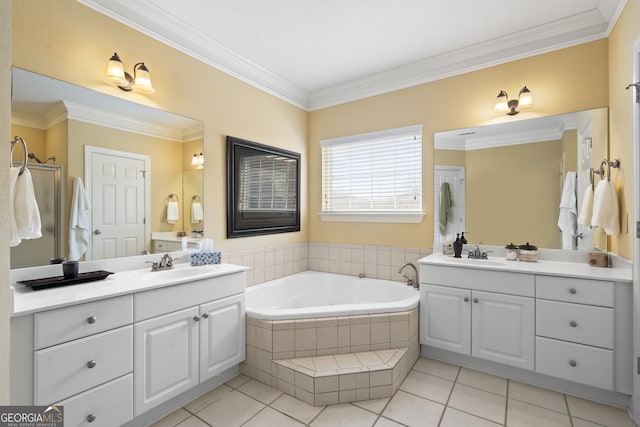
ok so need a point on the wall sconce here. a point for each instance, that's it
(504, 105)
(140, 82)
(197, 159)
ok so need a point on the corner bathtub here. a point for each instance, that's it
(313, 294)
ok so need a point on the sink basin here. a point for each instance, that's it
(179, 273)
(475, 261)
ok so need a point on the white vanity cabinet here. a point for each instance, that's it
(193, 342)
(487, 325)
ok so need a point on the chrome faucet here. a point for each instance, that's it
(476, 253)
(165, 263)
(410, 281)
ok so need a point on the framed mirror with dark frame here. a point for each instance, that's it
(263, 189)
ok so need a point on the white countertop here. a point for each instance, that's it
(542, 267)
(24, 300)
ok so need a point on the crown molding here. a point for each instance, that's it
(148, 19)
(145, 17)
(34, 121)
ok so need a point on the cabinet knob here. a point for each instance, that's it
(573, 323)
(573, 363)
(91, 319)
(475, 300)
(466, 299)
(573, 291)
(205, 315)
(196, 318)
(91, 364)
(91, 418)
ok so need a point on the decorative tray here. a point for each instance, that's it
(53, 282)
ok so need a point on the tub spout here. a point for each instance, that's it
(410, 280)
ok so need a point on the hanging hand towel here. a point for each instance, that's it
(445, 206)
(567, 219)
(587, 207)
(197, 214)
(79, 227)
(605, 208)
(172, 212)
(25, 222)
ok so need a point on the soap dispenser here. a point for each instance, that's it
(457, 247)
(463, 239)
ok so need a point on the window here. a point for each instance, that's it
(373, 177)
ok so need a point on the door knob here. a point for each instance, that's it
(98, 231)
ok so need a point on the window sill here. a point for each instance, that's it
(388, 217)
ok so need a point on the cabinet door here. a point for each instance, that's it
(222, 335)
(445, 318)
(503, 329)
(165, 357)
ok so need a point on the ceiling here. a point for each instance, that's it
(319, 53)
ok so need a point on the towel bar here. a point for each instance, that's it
(24, 146)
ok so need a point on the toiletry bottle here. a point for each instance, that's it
(457, 247)
(462, 239)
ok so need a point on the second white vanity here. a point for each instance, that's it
(561, 325)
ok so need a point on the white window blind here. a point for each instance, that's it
(267, 183)
(379, 172)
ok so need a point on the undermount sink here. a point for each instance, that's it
(479, 261)
(179, 273)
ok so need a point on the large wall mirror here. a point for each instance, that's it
(133, 160)
(505, 180)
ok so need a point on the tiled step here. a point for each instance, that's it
(342, 378)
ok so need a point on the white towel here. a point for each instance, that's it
(79, 221)
(605, 208)
(567, 219)
(586, 210)
(197, 214)
(23, 207)
(172, 212)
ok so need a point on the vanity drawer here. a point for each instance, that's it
(67, 369)
(575, 362)
(69, 323)
(584, 324)
(110, 404)
(478, 279)
(594, 292)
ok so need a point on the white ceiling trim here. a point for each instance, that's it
(152, 21)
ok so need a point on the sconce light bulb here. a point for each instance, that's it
(194, 160)
(526, 97)
(115, 71)
(501, 101)
(142, 79)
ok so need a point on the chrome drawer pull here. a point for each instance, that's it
(196, 318)
(573, 324)
(205, 315)
(573, 363)
(573, 291)
(91, 418)
(91, 319)
(475, 300)
(466, 299)
(91, 364)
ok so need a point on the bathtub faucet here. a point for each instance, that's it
(410, 281)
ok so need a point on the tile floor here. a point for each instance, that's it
(433, 394)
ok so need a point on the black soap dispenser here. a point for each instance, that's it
(457, 247)
(462, 239)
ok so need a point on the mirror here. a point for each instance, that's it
(505, 180)
(263, 189)
(62, 123)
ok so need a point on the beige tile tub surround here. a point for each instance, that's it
(334, 359)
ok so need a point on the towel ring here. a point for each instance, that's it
(195, 198)
(24, 146)
(171, 196)
(615, 163)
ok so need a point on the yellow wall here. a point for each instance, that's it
(448, 157)
(70, 42)
(558, 80)
(621, 41)
(36, 140)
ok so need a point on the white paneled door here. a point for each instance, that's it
(454, 176)
(116, 182)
